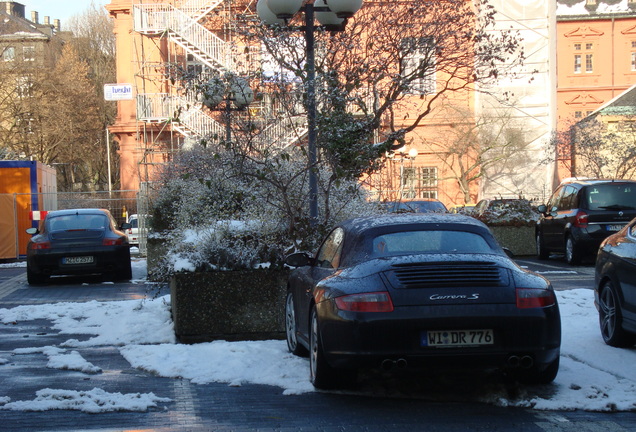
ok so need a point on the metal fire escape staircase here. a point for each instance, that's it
(181, 26)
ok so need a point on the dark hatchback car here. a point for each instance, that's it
(615, 287)
(431, 291)
(580, 214)
(76, 242)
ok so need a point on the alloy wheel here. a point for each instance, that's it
(290, 324)
(607, 312)
(313, 347)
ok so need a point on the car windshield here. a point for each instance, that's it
(611, 196)
(77, 222)
(429, 241)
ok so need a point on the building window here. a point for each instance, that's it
(634, 61)
(428, 182)
(584, 52)
(578, 114)
(577, 63)
(28, 53)
(409, 182)
(418, 182)
(24, 87)
(8, 54)
(418, 65)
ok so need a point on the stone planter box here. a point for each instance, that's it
(232, 305)
(520, 240)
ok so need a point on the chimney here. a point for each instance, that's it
(47, 20)
(57, 25)
(14, 8)
(34, 17)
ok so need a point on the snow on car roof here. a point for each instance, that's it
(368, 222)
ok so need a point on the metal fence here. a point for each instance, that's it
(20, 211)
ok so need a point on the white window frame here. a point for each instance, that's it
(8, 54)
(416, 53)
(28, 53)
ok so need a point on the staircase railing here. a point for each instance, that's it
(181, 26)
(284, 133)
(182, 29)
(197, 9)
(186, 114)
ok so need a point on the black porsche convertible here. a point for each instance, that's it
(430, 291)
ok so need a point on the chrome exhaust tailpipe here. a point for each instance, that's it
(389, 364)
(526, 362)
(513, 362)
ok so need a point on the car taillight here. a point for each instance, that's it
(580, 220)
(365, 302)
(535, 298)
(113, 242)
(41, 245)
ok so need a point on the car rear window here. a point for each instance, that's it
(433, 241)
(77, 222)
(611, 196)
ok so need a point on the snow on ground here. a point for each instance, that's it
(13, 264)
(593, 376)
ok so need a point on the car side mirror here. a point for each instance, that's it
(125, 226)
(542, 209)
(32, 231)
(299, 259)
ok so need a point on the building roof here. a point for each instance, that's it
(623, 104)
(15, 26)
(585, 9)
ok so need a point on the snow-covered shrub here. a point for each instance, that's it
(515, 213)
(220, 212)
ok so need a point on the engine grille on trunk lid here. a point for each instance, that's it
(439, 275)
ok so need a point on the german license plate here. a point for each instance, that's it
(614, 227)
(78, 260)
(458, 338)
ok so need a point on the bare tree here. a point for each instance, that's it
(94, 43)
(479, 148)
(395, 63)
(601, 150)
(382, 77)
(57, 114)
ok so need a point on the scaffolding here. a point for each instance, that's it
(199, 39)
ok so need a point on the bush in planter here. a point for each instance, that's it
(217, 213)
(511, 213)
(222, 224)
(512, 223)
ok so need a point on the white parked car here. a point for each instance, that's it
(133, 232)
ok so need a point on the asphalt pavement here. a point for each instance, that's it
(448, 405)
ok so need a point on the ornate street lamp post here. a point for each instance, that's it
(229, 89)
(332, 15)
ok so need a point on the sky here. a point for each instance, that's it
(592, 376)
(58, 9)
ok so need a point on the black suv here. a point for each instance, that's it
(580, 214)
